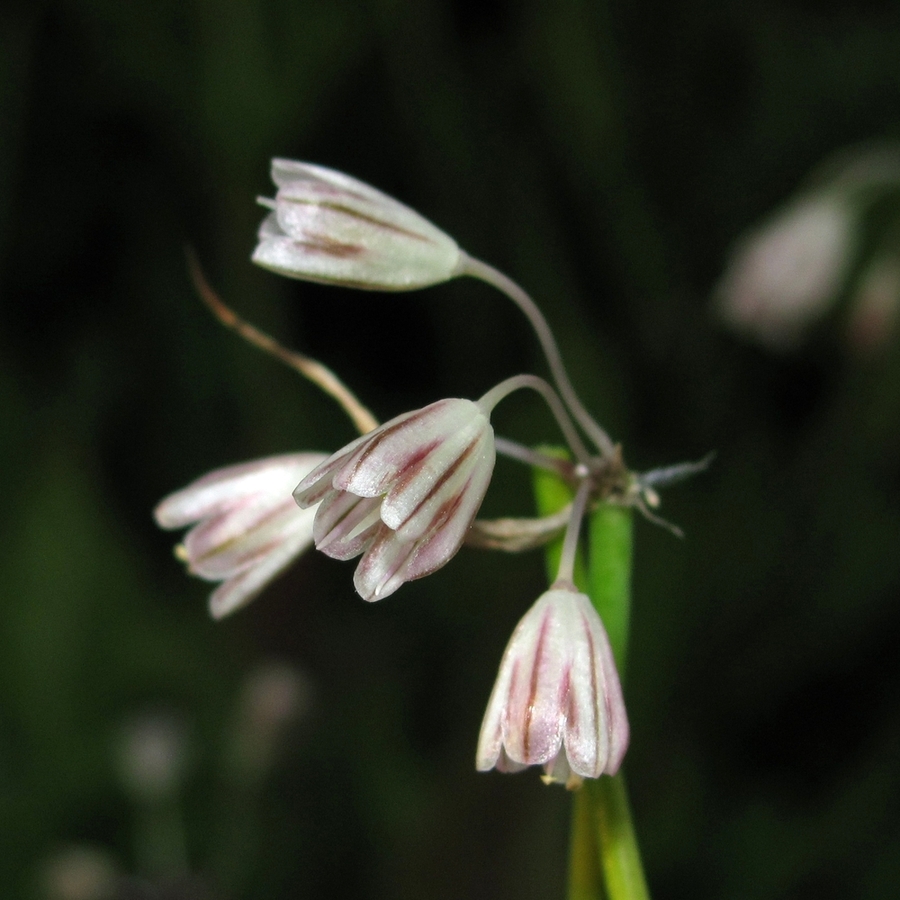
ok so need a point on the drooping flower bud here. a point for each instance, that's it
(326, 226)
(557, 701)
(403, 495)
(787, 273)
(250, 530)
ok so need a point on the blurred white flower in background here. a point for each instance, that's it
(792, 270)
(788, 272)
(274, 696)
(152, 756)
(79, 872)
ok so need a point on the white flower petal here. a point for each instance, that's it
(377, 575)
(240, 589)
(337, 530)
(232, 484)
(216, 550)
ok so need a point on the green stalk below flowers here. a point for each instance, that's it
(609, 573)
(604, 859)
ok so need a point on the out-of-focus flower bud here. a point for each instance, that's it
(81, 872)
(152, 756)
(250, 530)
(326, 226)
(274, 696)
(557, 702)
(787, 273)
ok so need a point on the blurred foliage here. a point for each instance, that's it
(605, 156)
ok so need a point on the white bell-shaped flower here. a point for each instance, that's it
(403, 495)
(326, 226)
(557, 701)
(247, 528)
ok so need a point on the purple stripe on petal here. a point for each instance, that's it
(557, 701)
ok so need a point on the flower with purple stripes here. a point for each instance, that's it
(326, 226)
(247, 528)
(557, 702)
(403, 495)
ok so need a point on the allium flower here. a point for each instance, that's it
(787, 273)
(557, 701)
(326, 226)
(403, 495)
(248, 527)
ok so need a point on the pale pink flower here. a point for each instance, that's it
(786, 274)
(326, 226)
(557, 702)
(248, 529)
(403, 495)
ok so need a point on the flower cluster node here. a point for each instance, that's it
(611, 479)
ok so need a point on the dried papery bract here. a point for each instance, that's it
(247, 528)
(403, 495)
(326, 226)
(557, 701)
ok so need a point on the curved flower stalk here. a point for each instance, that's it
(403, 495)
(326, 226)
(557, 702)
(247, 529)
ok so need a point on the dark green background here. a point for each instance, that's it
(605, 156)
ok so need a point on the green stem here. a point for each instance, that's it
(585, 869)
(610, 550)
(619, 853)
(551, 495)
(604, 859)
